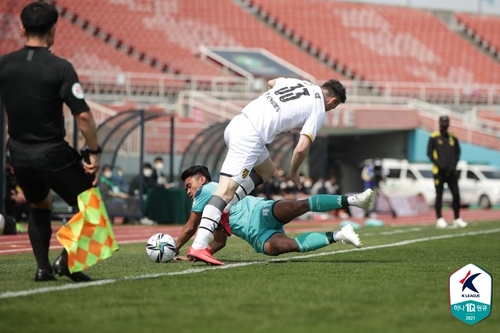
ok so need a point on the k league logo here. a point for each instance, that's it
(470, 293)
(467, 283)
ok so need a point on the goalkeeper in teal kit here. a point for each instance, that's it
(260, 221)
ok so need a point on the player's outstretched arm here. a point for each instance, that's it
(298, 156)
(188, 230)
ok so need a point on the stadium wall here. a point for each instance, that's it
(417, 150)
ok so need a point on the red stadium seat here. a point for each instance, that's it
(145, 28)
(483, 27)
(385, 43)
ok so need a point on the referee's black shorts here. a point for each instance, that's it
(67, 182)
(49, 165)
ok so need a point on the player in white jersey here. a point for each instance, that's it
(260, 222)
(288, 104)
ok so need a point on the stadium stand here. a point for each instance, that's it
(172, 32)
(150, 30)
(489, 115)
(483, 29)
(150, 47)
(483, 134)
(386, 44)
(378, 46)
(102, 68)
(243, 30)
(10, 34)
(91, 53)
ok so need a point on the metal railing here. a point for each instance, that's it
(473, 130)
(141, 85)
(206, 108)
(454, 93)
(215, 99)
(161, 85)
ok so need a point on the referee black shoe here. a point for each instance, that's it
(44, 275)
(61, 268)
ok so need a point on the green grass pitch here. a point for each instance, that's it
(398, 282)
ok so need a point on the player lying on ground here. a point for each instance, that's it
(260, 221)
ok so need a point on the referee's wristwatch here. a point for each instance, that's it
(95, 152)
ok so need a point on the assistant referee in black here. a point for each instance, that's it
(34, 84)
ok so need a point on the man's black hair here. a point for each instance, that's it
(147, 165)
(158, 158)
(106, 166)
(336, 89)
(196, 170)
(38, 18)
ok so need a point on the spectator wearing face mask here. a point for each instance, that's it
(158, 177)
(147, 181)
(307, 184)
(120, 180)
(114, 199)
(134, 192)
(106, 182)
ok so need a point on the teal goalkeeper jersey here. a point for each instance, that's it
(202, 196)
(247, 219)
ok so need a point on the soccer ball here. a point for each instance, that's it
(161, 248)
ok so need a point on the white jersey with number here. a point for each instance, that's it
(290, 104)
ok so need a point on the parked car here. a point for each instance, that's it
(408, 179)
(479, 184)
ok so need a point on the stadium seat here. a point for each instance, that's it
(147, 30)
(385, 43)
(483, 27)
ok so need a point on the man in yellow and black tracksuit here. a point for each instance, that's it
(444, 151)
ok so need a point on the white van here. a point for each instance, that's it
(479, 184)
(408, 179)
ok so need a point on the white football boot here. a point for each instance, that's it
(363, 200)
(347, 235)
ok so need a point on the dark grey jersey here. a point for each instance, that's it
(34, 84)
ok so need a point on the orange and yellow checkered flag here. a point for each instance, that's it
(88, 237)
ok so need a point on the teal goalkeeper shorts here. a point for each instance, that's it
(252, 219)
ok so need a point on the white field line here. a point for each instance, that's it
(393, 232)
(24, 246)
(14, 294)
(27, 248)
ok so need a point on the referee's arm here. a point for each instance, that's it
(86, 124)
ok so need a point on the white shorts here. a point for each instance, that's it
(245, 149)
